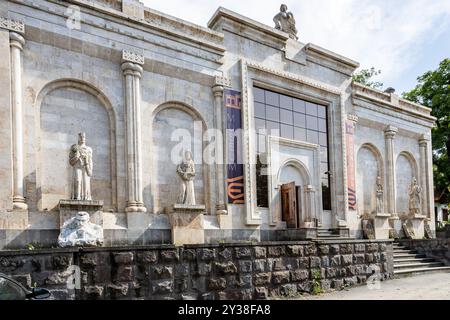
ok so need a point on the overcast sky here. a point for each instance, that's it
(402, 38)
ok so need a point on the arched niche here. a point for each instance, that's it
(405, 171)
(64, 108)
(294, 170)
(369, 166)
(176, 127)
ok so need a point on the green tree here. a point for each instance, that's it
(364, 76)
(433, 91)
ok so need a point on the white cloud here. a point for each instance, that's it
(390, 35)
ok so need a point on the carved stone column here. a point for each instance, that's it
(425, 169)
(16, 43)
(220, 179)
(310, 207)
(389, 135)
(132, 70)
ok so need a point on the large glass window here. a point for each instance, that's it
(294, 119)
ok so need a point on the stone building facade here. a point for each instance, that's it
(135, 80)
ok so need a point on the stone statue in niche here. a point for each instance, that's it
(285, 21)
(415, 197)
(186, 171)
(78, 231)
(379, 196)
(80, 159)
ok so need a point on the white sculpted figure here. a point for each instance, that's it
(78, 231)
(285, 21)
(379, 194)
(80, 159)
(414, 197)
(186, 171)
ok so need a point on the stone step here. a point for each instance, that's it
(417, 265)
(412, 259)
(409, 255)
(417, 271)
(404, 251)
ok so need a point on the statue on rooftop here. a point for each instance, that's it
(285, 22)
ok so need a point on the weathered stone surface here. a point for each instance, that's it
(261, 279)
(324, 249)
(334, 249)
(299, 275)
(276, 264)
(190, 254)
(261, 293)
(162, 272)
(225, 267)
(360, 247)
(88, 260)
(288, 290)
(245, 266)
(346, 259)
(260, 252)
(337, 284)
(259, 266)
(244, 281)
(162, 287)
(118, 290)
(217, 284)
(124, 273)
(243, 252)
(204, 269)
(358, 258)
(310, 250)
(314, 262)
(303, 262)
(346, 248)
(170, 255)
(280, 277)
(276, 251)
(123, 257)
(325, 262)
(207, 254)
(94, 292)
(147, 257)
(330, 273)
(350, 281)
(372, 247)
(225, 254)
(295, 250)
(369, 258)
(61, 262)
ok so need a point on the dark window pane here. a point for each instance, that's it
(311, 123)
(312, 136)
(262, 195)
(272, 113)
(259, 124)
(258, 94)
(285, 102)
(326, 196)
(324, 169)
(260, 110)
(311, 109)
(322, 125)
(272, 98)
(323, 139)
(299, 120)
(271, 127)
(287, 131)
(299, 134)
(321, 111)
(299, 105)
(286, 116)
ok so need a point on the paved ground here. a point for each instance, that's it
(434, 286)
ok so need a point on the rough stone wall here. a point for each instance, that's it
(438, 249)
(239, 271)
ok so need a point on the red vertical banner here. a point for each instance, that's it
(350, 148)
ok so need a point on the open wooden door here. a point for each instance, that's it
(289, 204)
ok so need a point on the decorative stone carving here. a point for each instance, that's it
(131, 56)
(379, 196)
(186, 171)
(12, 25)
(393, 234)
(415, 201)
(428, 232)
(285, 21)
(222, 81)
(80, 159)
(408, 231)
(78, 231)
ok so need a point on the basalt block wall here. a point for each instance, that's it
(438, 249)
(232, 271)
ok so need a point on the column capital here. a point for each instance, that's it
(218, 91)
(352, 117)
(390, 132)
(424, 140)
(16, 40)
(12, 25)
(132, 56)
(130, 68)
(222, 81)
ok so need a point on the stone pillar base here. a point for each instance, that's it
(187, 224)
(418, 224)
(19, 204)
(382, 226)
(69, 208)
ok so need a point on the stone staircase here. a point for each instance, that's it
(329, 234)
(408, 262)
